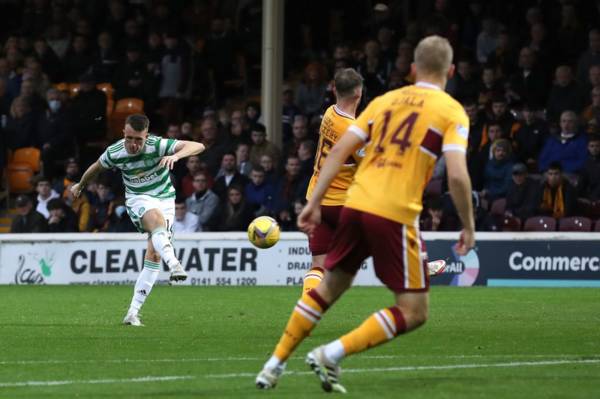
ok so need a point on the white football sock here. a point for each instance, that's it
(143, 285)
(162, 245)
(272, 362)
(334, 351)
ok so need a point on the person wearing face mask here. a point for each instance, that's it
(55, 133)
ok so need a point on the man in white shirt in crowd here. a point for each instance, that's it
(185, 222)
(45, 194)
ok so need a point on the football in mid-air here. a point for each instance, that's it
(263, 232)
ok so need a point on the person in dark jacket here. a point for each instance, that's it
(62, 218)
(520, 194)
(555, 197)
(28, 219)
(236, 214)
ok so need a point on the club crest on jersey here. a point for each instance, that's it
(462, 131)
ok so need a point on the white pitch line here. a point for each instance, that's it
(239, 375)
(249, 359)
(103, 381)
(425, 368)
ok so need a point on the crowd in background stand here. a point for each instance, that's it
(527, 73)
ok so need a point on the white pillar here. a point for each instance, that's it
(272, 68)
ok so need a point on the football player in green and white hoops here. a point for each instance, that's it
(145, 161)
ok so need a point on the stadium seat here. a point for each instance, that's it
(129, 106)
(19, 177)
(63, 86)
(29, 156)
(123, 108)
(510, 223)
(576, 223)
(73, 89)
(110, 106)
(107, 88)
(498, 206)
(540, 223)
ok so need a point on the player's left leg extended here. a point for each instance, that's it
(154, 222)
(143, 285)
(304, 318)
(409, 313)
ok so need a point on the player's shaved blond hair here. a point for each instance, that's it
(433, 56)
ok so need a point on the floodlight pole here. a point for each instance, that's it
(272, 68)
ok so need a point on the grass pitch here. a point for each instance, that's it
(209, 342)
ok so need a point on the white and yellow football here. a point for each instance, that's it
(263, 232)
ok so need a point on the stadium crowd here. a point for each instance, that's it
(527, 74)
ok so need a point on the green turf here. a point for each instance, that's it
(220, 337)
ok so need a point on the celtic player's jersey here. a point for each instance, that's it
(141, 173)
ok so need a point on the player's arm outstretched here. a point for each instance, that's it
(183, 148)
(310, 216)
(459, 185)
(90, 174)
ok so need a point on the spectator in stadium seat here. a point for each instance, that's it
(176, 76)
(259, 193)
(310, 93)
(569, 148)
(299, 134)
(236, 214)
(564, 95)
(374, 69)
(555, 196)
(481, 155)
(464, 83)
(261, 146)
(28, 220)
(228, 176)
(500, 113)
(88, 110)
(242, 155)
(498, 171)
(271, 174)
(185, 221)
(103, 208)
(51, 64)
(192, 164)
(80, 205)
(130, 77)
(487, 87)
(435, 219)
(61, 218)
(21, 128)
(105, 58)
(589, 182)
(530, 137)
(72, 174)
(238, 135)
(78, 60)
(593, 110)
(590, 57)
(306, 155)
(487, 40)
(542, 45)
(215, 149)
(45, 193)
(528, 83)
(291, 186)
(203, 203)
(55, 133)
(290, 110)
(520, 194)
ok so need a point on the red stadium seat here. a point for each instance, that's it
(498, 206)
(576, 223)
(510, 223)
(29, 156)
(540, 223)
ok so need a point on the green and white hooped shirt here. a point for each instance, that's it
(141, 173)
